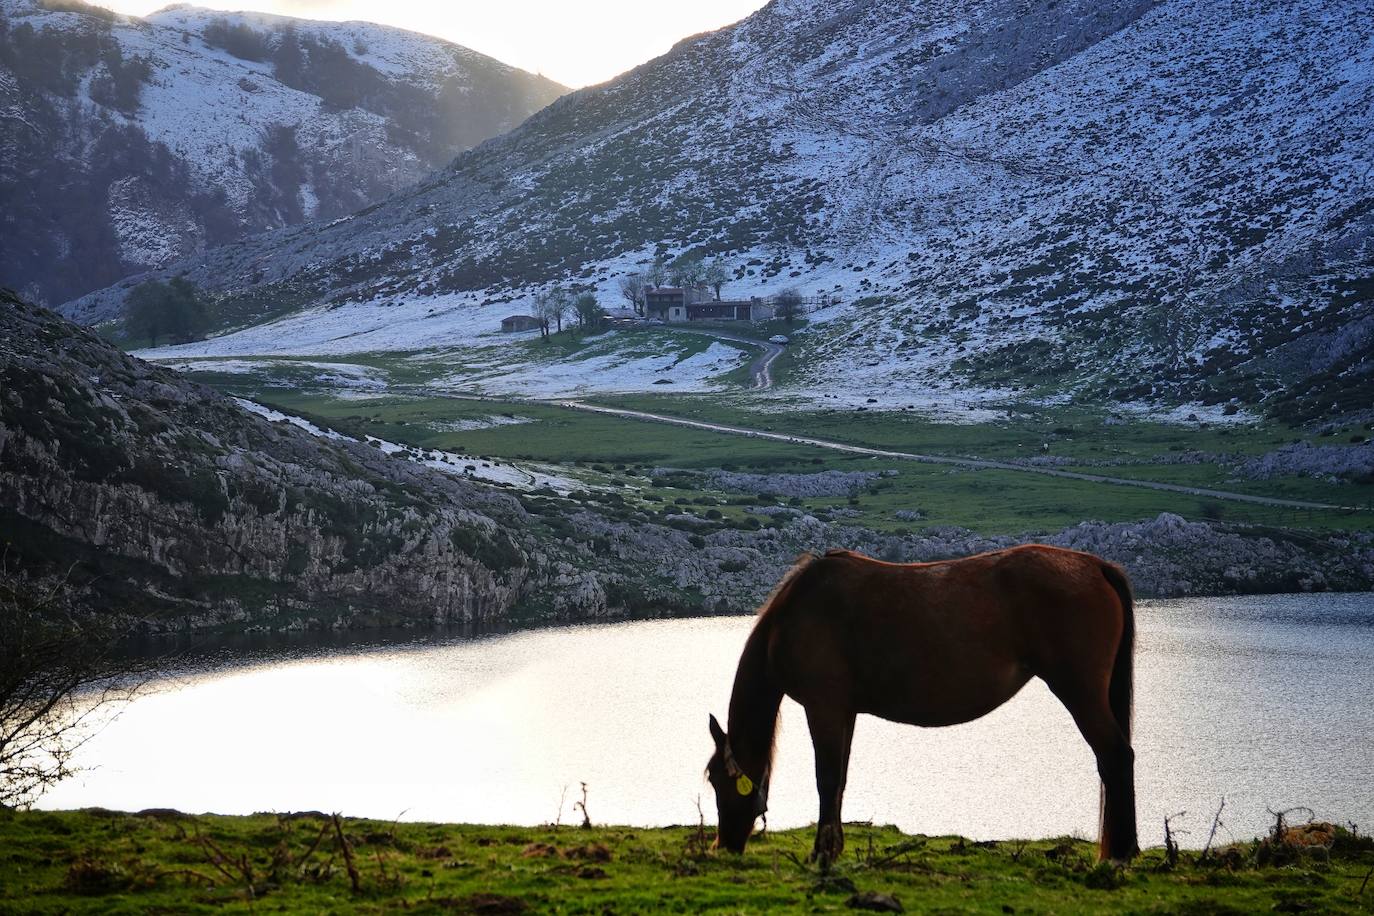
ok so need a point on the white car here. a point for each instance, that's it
(779, 339)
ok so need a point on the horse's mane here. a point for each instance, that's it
(755, 699)
(775, 598)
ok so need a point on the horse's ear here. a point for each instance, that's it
(717, 733)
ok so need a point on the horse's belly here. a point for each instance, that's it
(949, 701)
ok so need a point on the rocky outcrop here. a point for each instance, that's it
(732, 569)
(822, 483)
(1334, 462)
(170, 502)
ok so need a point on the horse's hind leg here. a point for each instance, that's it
(1092, 713)
(832, 731)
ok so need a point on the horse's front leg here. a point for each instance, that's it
(832, 730)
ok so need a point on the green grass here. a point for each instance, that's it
(106, 862)
(1083, 437)
(987, 501)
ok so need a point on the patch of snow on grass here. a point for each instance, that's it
(345, 376)
(476, 423)
(276, 416)
(412, 324)
(521, 476)
(609, 373)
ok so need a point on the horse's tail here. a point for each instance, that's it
(1118, 838)
(1121, 689)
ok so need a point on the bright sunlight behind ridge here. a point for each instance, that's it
(575, 44)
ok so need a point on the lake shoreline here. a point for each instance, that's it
(731, 571)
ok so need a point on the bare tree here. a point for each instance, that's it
(60, 678)
(632, 288)
(716, 276)
(787, 305)
(550, 308)
(542, 306)
(561, 303)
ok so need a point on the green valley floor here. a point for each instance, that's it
(165, 862)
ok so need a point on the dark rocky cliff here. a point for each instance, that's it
(170, 502)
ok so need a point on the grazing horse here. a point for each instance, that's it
(929, 644)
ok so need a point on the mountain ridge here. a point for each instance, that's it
(138, 141)
(1130, 201)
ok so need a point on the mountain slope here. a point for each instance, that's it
(130, 143)
(1151, 201)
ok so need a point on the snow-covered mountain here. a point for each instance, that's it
(130, 143)
(1140, 200)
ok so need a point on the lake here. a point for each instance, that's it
(1268, 701)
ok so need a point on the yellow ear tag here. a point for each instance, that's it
(744, 785)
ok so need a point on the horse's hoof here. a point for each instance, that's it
(829, 846)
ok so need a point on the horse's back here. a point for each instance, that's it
(1026, 578)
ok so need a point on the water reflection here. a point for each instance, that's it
(1269, 701)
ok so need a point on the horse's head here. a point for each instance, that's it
(740, 800)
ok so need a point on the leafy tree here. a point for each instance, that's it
(188, 318)
(632, 288)
(687, 271)
(787, 305)
(147, 312)
(173, 309)
(588, 310)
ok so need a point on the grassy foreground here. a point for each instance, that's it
(166, 862)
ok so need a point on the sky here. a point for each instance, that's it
(575, 42)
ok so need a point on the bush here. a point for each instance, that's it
(173, 309)
(238, 39)
(121, 85)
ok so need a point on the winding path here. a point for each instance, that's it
(761, 367)
(977, 463)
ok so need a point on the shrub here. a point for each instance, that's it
(238, 39)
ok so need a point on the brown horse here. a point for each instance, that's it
(929, 644)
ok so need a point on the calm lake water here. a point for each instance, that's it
(1268, 701)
